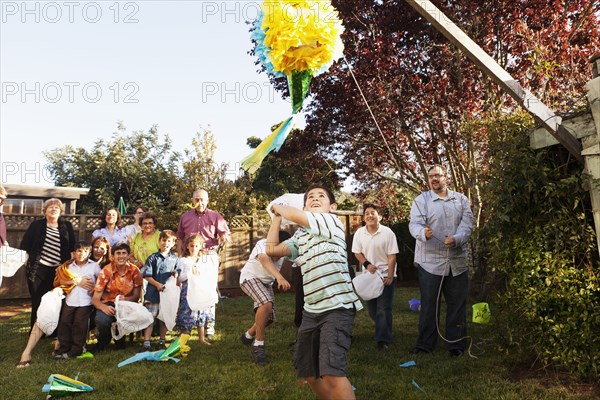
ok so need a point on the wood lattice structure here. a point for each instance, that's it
(245, 232)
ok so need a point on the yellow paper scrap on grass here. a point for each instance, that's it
(60, 386)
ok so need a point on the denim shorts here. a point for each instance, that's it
(153, 308)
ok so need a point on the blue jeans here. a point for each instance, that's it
(380, 310)
(103, 323)
(455, 290)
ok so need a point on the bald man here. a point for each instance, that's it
(214, 230)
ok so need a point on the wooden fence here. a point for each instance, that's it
(245, 232)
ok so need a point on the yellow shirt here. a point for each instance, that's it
(143, 248)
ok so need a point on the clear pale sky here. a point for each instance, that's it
(70, 70)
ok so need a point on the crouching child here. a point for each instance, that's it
(119, 278)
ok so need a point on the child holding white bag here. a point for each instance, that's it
(158, 268)
(77, 278)
(199, 277)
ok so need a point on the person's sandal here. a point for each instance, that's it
(23, 364)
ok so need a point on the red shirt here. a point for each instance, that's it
(210, 225)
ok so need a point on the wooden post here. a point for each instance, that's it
(82, 228)
(251, 229)
(591, 144)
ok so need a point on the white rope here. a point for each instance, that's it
(437, 320)
(439, 295)
(372, 114)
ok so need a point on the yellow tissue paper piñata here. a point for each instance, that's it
(302, 35)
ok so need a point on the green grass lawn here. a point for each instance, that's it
(225, 369)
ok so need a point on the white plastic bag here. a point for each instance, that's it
(131, 317)
(49, 311)
(169, 303)
(202, 283)
(295, 200)
(11, 260)
(368, 286)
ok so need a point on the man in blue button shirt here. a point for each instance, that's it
(441, 221)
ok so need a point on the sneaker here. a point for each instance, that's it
(145, 348)
(382, 345)
(161, 346)
(417, 350)
(245, 341)
(120, 344)
(456, 352)
(258, 353)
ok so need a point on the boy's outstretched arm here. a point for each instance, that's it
(267, 264)
(274, 248)
(292, 214)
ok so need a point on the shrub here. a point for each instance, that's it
(539, 240)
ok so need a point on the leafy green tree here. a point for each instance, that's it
(298, 164)
(140, 166)
(143, 169)
(199, 170)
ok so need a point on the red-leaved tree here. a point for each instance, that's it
(426, 95)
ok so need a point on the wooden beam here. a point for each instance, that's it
(593, 96)
(580, 126)
(542, 114)
(591, 145)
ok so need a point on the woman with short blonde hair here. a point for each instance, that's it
(48, 242)
(53, 202)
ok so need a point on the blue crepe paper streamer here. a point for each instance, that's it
(262, 51)
(408, 364)
(415, 384)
